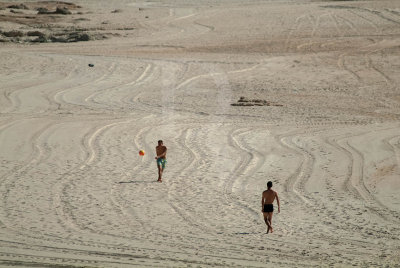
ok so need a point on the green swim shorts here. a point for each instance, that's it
(161, 162)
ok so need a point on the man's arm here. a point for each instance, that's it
(163, 154)
(277, 200)
(262, 202)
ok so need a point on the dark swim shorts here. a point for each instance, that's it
(268, 208)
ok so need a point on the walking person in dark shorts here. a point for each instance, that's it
(267, 207)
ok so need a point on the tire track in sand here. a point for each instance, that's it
(10, 180)
(176, 202)
(143, 76)
(63, 208)
(193, 78)
(355, 177)
(304, 168)
(244, 167)
(394, 143)
(59, 97)
(36, 82)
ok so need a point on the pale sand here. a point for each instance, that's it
(74, 190)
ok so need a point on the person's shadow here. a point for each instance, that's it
(135, 182)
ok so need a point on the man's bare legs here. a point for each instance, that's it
(268, 221)
(160, 171)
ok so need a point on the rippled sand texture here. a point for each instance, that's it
(74, 191)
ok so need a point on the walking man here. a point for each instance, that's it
(267, 207)
(161, 152)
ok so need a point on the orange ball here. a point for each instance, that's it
(141, 152)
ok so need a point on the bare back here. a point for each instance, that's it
(269, 196)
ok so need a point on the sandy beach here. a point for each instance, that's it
(303, 93)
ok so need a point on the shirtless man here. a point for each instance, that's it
(267, 207)
(161, 152)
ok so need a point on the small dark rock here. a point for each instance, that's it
(20, 6)
(58, 39)
(13, 33)
(63, 11)
(69, 38)
(40, 39)
(43, 10)
(82, 19)
(242, 104)
(35, 33)
(15, 11)
(76, 37)
(59, 10)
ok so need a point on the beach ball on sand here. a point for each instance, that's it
(141, 153)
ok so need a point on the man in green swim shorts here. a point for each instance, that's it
(161, 152)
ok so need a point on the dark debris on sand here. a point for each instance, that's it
(243, 101)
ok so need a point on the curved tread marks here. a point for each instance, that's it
(60, 99)
(381, 15)
(369, 21)
(241, 168)
(355, 178)
(143, 76)
(186, 169)
(297, 26)
(91, 143)
(394, 142)
(189, 80)
(372, 66)
(14, 98)
(342, 65)
(61, 199)
(348, 23)
(334, 142)
(258, 157)
(303, 172)
(36, 82)
(60, 204)
(151, 72)
(244, 159)
(121, 85)
(293, 178)
(11, 179)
